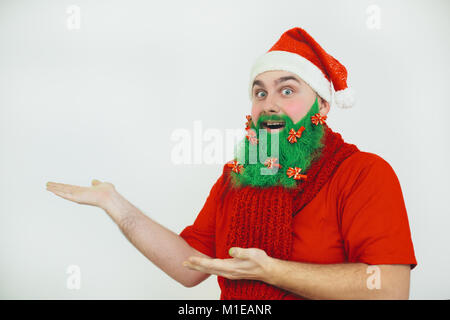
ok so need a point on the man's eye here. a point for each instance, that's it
(288, 90)
(259, 95)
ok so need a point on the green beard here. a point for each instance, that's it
(299, 154)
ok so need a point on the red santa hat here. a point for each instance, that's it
(297, 52)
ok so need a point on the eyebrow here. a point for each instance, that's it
(278, 81)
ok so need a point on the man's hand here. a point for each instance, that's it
(160, 245)
(96, 195)
(247, 263)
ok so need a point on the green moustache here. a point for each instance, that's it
(276, 145)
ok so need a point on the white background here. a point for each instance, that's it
(102, 102)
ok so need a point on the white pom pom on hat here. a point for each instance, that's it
(297, 52)
(345, 98)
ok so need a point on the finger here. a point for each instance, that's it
(227, 268)
(215, 266)
(191, 266)
(57, 184)
(196, 267)
(60, 188)
(52, 186)
(64, 195)
(65, 188)
(240, 253)
(204, 269)
(198, 261)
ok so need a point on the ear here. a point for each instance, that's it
(324, 107)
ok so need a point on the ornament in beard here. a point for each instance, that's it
(278, 152)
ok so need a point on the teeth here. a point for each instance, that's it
(273, 123)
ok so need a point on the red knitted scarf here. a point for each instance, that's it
(262, 217)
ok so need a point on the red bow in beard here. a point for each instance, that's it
(249, 120)
(295, 173)
(318, 118)
(292, 138)
(251, 134)
(235, 166)
(270, 163)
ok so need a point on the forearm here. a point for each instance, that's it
(166, 249)
(327, 281)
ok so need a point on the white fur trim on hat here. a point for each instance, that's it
(292, 62)
(344, 98)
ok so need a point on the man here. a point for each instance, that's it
(299, 213)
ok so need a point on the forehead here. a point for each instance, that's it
(269, 76)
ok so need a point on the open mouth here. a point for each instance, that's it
(273, 124)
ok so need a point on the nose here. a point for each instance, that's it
(271, 107)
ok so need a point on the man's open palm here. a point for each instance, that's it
(96, 195)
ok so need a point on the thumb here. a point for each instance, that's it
(95, 182)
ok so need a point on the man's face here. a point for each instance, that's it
(283, 105)
(283, 93)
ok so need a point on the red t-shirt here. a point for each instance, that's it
(359, 215)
